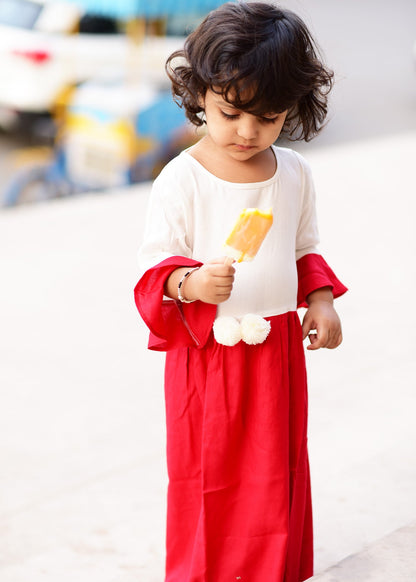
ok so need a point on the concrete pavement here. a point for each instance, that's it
(390, 559)
(81, 399)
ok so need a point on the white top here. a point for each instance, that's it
(191, 213)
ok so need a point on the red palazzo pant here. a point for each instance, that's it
(239, 505)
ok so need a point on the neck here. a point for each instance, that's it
(258, 168)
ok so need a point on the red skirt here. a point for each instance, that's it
(239, 504)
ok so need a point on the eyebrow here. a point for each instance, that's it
(221, 102)
(271, 115)
(224, 103)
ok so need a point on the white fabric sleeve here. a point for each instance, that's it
(168, 224)
(307, 236)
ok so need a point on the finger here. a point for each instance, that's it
(223, 289)
(221, 261)
(314, 345)
(220, 298)
(332, 343)
(226, 277)
(321, 341)
(217, 260)
(337, 341)
(225, 293)
(335, 338)
(224, 282)
(307, 325)
(222, 271)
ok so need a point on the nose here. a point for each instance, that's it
(247, 127)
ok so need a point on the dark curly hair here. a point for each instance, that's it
(254, 45)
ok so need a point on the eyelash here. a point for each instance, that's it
(227, 116)
(262, 119)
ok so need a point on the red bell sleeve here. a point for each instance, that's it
(315, 273)
(172, 324)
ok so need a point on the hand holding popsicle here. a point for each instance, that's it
(212, 283)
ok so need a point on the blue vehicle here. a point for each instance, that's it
(112, 134)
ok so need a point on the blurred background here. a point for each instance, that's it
(87, 122)
(83, 91)
(84, 98)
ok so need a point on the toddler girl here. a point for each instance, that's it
(236, 397)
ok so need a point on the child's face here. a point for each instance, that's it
(238, 134)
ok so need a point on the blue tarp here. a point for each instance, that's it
(125, 9)
(161, 119)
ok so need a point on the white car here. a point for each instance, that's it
(47, 46)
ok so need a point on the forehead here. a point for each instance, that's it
(219, 100)
(245, 101)
(249, 99)
(234, 95)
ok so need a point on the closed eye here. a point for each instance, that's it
(263, 119)
(269, 119)
(229, 115)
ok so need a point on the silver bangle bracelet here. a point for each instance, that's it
(180, 285)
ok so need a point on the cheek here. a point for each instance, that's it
(277, 129)
(220, 128)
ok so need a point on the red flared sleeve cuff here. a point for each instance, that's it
(172, 324)
(315, 273)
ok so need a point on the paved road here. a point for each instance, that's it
(81, 399)
(82, 407)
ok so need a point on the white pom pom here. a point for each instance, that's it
(254, 329)
(227, 331)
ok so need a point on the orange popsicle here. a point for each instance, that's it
(248, 233)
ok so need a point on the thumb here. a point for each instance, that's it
(307, 325)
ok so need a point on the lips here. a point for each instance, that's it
(244, 148)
